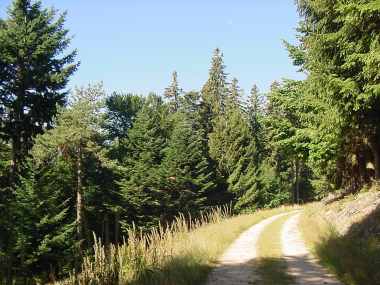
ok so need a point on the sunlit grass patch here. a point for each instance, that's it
(353, 258)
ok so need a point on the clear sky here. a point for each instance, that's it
(134, 45)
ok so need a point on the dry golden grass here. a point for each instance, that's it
(354, 259)
(180, 254)
(313, 226)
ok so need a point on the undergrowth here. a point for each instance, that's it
(353, 257)
(181, 254)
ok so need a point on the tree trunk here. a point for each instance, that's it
(376, 156)
(297, 181)
(374, 145)
(79, 220)
(106, 231)
(117, 218)
(15, 152)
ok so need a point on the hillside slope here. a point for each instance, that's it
(345, 236)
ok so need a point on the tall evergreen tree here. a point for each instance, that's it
(142, 186)
(234, 95)
(74, 138)
(186, 167)
(44, 224)
(121, 112)
(33, 73)
(288, 136)
(340, 40)
(255, 111)
(173, 93)
(214, 92)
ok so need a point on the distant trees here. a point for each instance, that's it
(173, 93)
(214, 92)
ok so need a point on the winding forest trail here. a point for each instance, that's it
(301, 265)
(237, 265)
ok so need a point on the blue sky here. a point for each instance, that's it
(134, 45)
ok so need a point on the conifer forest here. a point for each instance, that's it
(83, 168)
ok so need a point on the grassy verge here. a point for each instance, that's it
(271, 266)
(355, 259)
(182, 254)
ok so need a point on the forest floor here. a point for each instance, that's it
(243, 263)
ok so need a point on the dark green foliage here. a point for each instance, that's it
(44, 225)
(288, 136)
(340, 41)
(33, 73)
(141, 188)
(121, 112)
(214, 92)
(186, 166)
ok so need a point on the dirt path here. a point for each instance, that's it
(304, 269)
(235, 266)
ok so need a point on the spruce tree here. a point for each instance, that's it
(121, 110)
(34, 72)
(240, 159)
(234, 95)
(173, 93)
(145, 200)
(233, 147)
(255, 114)
(44, 223)
(340, 40)
(186, 166)
(74, 138)
(214, 92)
(225, 132)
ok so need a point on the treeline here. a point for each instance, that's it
(91, 163)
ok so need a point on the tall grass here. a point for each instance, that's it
(182, 253)
(355, 259)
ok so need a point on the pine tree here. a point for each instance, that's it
(214, 92)
(74, 138)
(173, 93)
(186, 166)
(234, 95)
(120, 114)
(44, 223)
(32, 73)
(340, 40)
(142, 186)
(255, 115)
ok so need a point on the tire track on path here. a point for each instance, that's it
(301, 265)
(235, 267)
